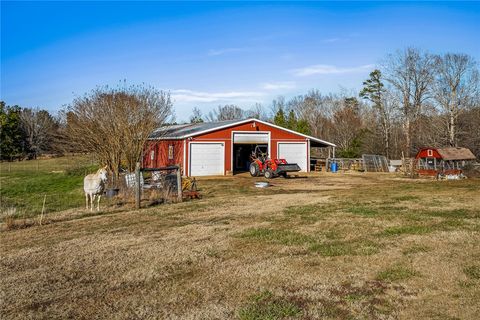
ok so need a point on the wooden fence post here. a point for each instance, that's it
(138, 187)
(179, 184)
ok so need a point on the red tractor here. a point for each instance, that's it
(270, 168)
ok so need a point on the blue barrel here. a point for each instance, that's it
(333, 167)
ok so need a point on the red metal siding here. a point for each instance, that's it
(225, 136)
(423, 153)
(160, 149)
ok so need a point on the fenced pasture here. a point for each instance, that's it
(325, 246)
(59, 181)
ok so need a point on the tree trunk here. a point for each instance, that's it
(452, 121)
(408, 141)
(452, 131)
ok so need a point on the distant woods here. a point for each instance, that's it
(110, 123)
(28, 133)
(413, 99)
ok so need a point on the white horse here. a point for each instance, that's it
(93, 185)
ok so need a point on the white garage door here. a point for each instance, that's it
(294, 153)
(207, 159)
(250, 138)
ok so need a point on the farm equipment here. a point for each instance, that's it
(261, 164)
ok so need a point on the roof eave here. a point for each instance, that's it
(242, 122)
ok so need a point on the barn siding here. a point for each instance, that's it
(225, 136)
(160, 149)
(423, 153)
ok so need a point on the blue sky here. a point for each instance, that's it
(214, 53)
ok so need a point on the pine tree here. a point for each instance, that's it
(302, 126)
(279, 118)
(291, 120)
(373, 90)
(12, 140)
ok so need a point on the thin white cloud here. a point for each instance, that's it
(219, 52)
(328, 69)
(185, 95)
(332, 40)
(278, 85)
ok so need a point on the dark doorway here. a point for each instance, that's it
(241, 157)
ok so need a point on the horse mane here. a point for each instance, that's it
(102, 168)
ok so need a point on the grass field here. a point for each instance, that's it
(327, 246)
(25, 184)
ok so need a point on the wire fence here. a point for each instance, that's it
(40, 187)
(30, 187)
(53, 164)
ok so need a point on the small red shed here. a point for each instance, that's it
(451, 160)
(218, 148)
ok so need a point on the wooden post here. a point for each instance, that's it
(179, 184)
(138, 187)
(43, 209)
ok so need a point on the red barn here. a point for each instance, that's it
(218, 148)
(432, 161)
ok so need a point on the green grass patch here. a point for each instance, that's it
(267, 306)
(454, 214)
(277, 236)
(406, 198)
(472, 272)
(308, 213)
(333, 249)
(345, 248)
(396, 273)
(363, 211)
(413, 229)
(26, 183)
(25, 192)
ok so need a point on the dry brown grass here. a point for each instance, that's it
(346, 246)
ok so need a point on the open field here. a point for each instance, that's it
(345, 246)
(25, 184)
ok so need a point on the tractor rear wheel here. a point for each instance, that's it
(254, 169)
(269, 174)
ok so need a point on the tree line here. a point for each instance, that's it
(28, 133)
(413, 99)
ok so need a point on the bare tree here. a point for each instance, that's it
(226, 112)
(348, 124)
(40, 130)
(197, 116)
(456, 85)
(258, 112)
(469, 121)
(145, 109)
(114, 123)
(410, 73)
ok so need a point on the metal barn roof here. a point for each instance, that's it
(182, 131)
